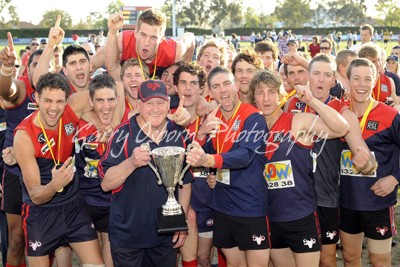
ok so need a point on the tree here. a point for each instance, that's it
(320, 13)
(347, 12)
(8, 14)
(114, 7)
(50, 17)
(293, 13)
(390, 11)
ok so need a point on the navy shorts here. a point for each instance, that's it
(205, 221)
(138, 257)
(246, 233)
(47, 228)
(301, 236)
(329, 221)
(100, 216)
(12, 193)
(377, 225)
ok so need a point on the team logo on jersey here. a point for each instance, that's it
(34, 244)
(32, 106)
(310, 243)
(278, 137)
(210, 222)
(46, 148)
(331, 235)
(347, 167)
(41, 138)
(91, 168)
(279, 174)
(258, 239)
(69, 128)
(299, 105)
(382, 230)
(384, 88)
(372, 125)
(236, 125)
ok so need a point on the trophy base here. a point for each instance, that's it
(171, 223)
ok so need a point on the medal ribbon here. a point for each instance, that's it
(231, 120)
(48, 141)
(365, 116)
(141, 66)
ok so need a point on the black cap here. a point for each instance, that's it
(393, 57)
(43, 41)
(153, 89)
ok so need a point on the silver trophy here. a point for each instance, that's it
(169, 161)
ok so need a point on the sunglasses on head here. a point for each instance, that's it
(34, 44)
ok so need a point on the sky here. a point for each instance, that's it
(32, 11)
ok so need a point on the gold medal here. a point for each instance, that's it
(219, 175)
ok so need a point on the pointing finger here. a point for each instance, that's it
(10, 41)
(214, 112)
(57, 25)
(181, 101)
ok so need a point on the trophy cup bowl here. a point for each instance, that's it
(169, 161)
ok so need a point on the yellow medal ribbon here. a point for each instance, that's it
(141, 66)
(229, 126)
(366, 114)
(49, 144)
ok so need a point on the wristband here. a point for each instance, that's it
(5, 72)
(7, 68)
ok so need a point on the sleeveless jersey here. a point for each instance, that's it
(44, 158)
(165, 56)
(288, 173)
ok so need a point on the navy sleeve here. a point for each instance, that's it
(396, 80)
(395, 136)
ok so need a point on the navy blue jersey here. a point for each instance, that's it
(381, 134)
(88, 154)
(244, 192)
(3, 128)
(328, 152)
(44, 158)
(14, 115)
(289, 174)
(133, 210)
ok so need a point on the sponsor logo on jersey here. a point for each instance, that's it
(384, 88)
(279, 174)
(372, 125)
(347, 167)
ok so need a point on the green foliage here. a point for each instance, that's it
(8, 14)
(347, 12)
(389, 12)
(114, 7)
(50, 17)
(293, 13)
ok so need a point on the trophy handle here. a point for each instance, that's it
(159, 180)
(190, 147)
